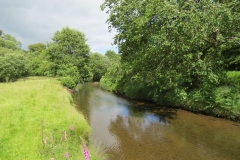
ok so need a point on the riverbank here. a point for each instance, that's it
(39, 121)
(222, 101)
(229, 112)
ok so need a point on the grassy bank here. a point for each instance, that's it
(38, 121)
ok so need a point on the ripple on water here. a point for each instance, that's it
(131, 132)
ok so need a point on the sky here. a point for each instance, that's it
(35, 21)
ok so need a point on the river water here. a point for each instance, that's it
(130, 130)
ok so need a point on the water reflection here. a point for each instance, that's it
(128, 130)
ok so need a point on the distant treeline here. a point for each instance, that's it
(67, 56)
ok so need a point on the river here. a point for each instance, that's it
(130, 130)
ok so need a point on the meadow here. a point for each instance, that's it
(38, 120)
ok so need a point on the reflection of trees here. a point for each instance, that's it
(138, 141)
(164, 114)
(178, 140)
(209, 138)
(81, 98)
(89, 96)
(135, 142)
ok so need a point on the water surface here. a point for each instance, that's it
(129, 130)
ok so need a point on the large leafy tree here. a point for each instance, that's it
(170, 48)
(69, 50)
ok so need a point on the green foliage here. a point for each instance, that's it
(171, 51)
(69, 54)
(113, 57)
(13, 62)
(39, 60)
(227, 99)
(4, 51)
(43, 68)
(99, 65)
(13, 66)
(86, 74)
(39, 47)
(68, 82)
(112, 77)
(2, 42)
(10, 42)
(110, 80)
(10, 45)
(68, 70)
(232, 56)
(234, 77)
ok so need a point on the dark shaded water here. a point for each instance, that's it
(129, 130)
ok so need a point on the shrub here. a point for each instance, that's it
(13, 66)
(68, 82)
(233, 76)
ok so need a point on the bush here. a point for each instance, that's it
(69, 71)
(227, 99)
(68, 82)
(13, 66)
(233, 76)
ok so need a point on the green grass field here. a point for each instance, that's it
(38, 121)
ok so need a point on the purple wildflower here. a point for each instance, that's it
(85, 151)
(71, 128)
(66, 155)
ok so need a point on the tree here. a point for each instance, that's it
(99, 65)
(68, 48)
(8, 41)
(170, 49)
(113, 56)
(10, 45)
(36, 47)
(11, 42)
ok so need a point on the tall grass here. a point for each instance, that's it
(38, 121)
